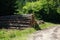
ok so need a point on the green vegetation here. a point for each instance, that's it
(13, 34)
(46, 25)
(47, 10)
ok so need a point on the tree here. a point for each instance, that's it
(48, 10)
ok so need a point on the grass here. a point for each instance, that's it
(6, 34)
(13, 34)
(46, 25)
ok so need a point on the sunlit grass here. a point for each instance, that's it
(46, 25)
(13, 34)
(6, 34)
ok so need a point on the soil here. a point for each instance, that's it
(52, 33)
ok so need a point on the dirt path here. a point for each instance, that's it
(52, 33)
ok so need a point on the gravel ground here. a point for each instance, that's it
(52, 33)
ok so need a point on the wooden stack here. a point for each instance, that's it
(17, 21)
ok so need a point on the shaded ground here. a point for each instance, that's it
(52, 33)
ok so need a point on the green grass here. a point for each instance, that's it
(6, 34)
(13, 34)
(46, 25)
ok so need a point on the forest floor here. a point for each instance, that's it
(52, 33)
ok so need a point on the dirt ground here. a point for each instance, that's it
(52, 33)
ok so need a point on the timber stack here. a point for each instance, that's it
(17, 21)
